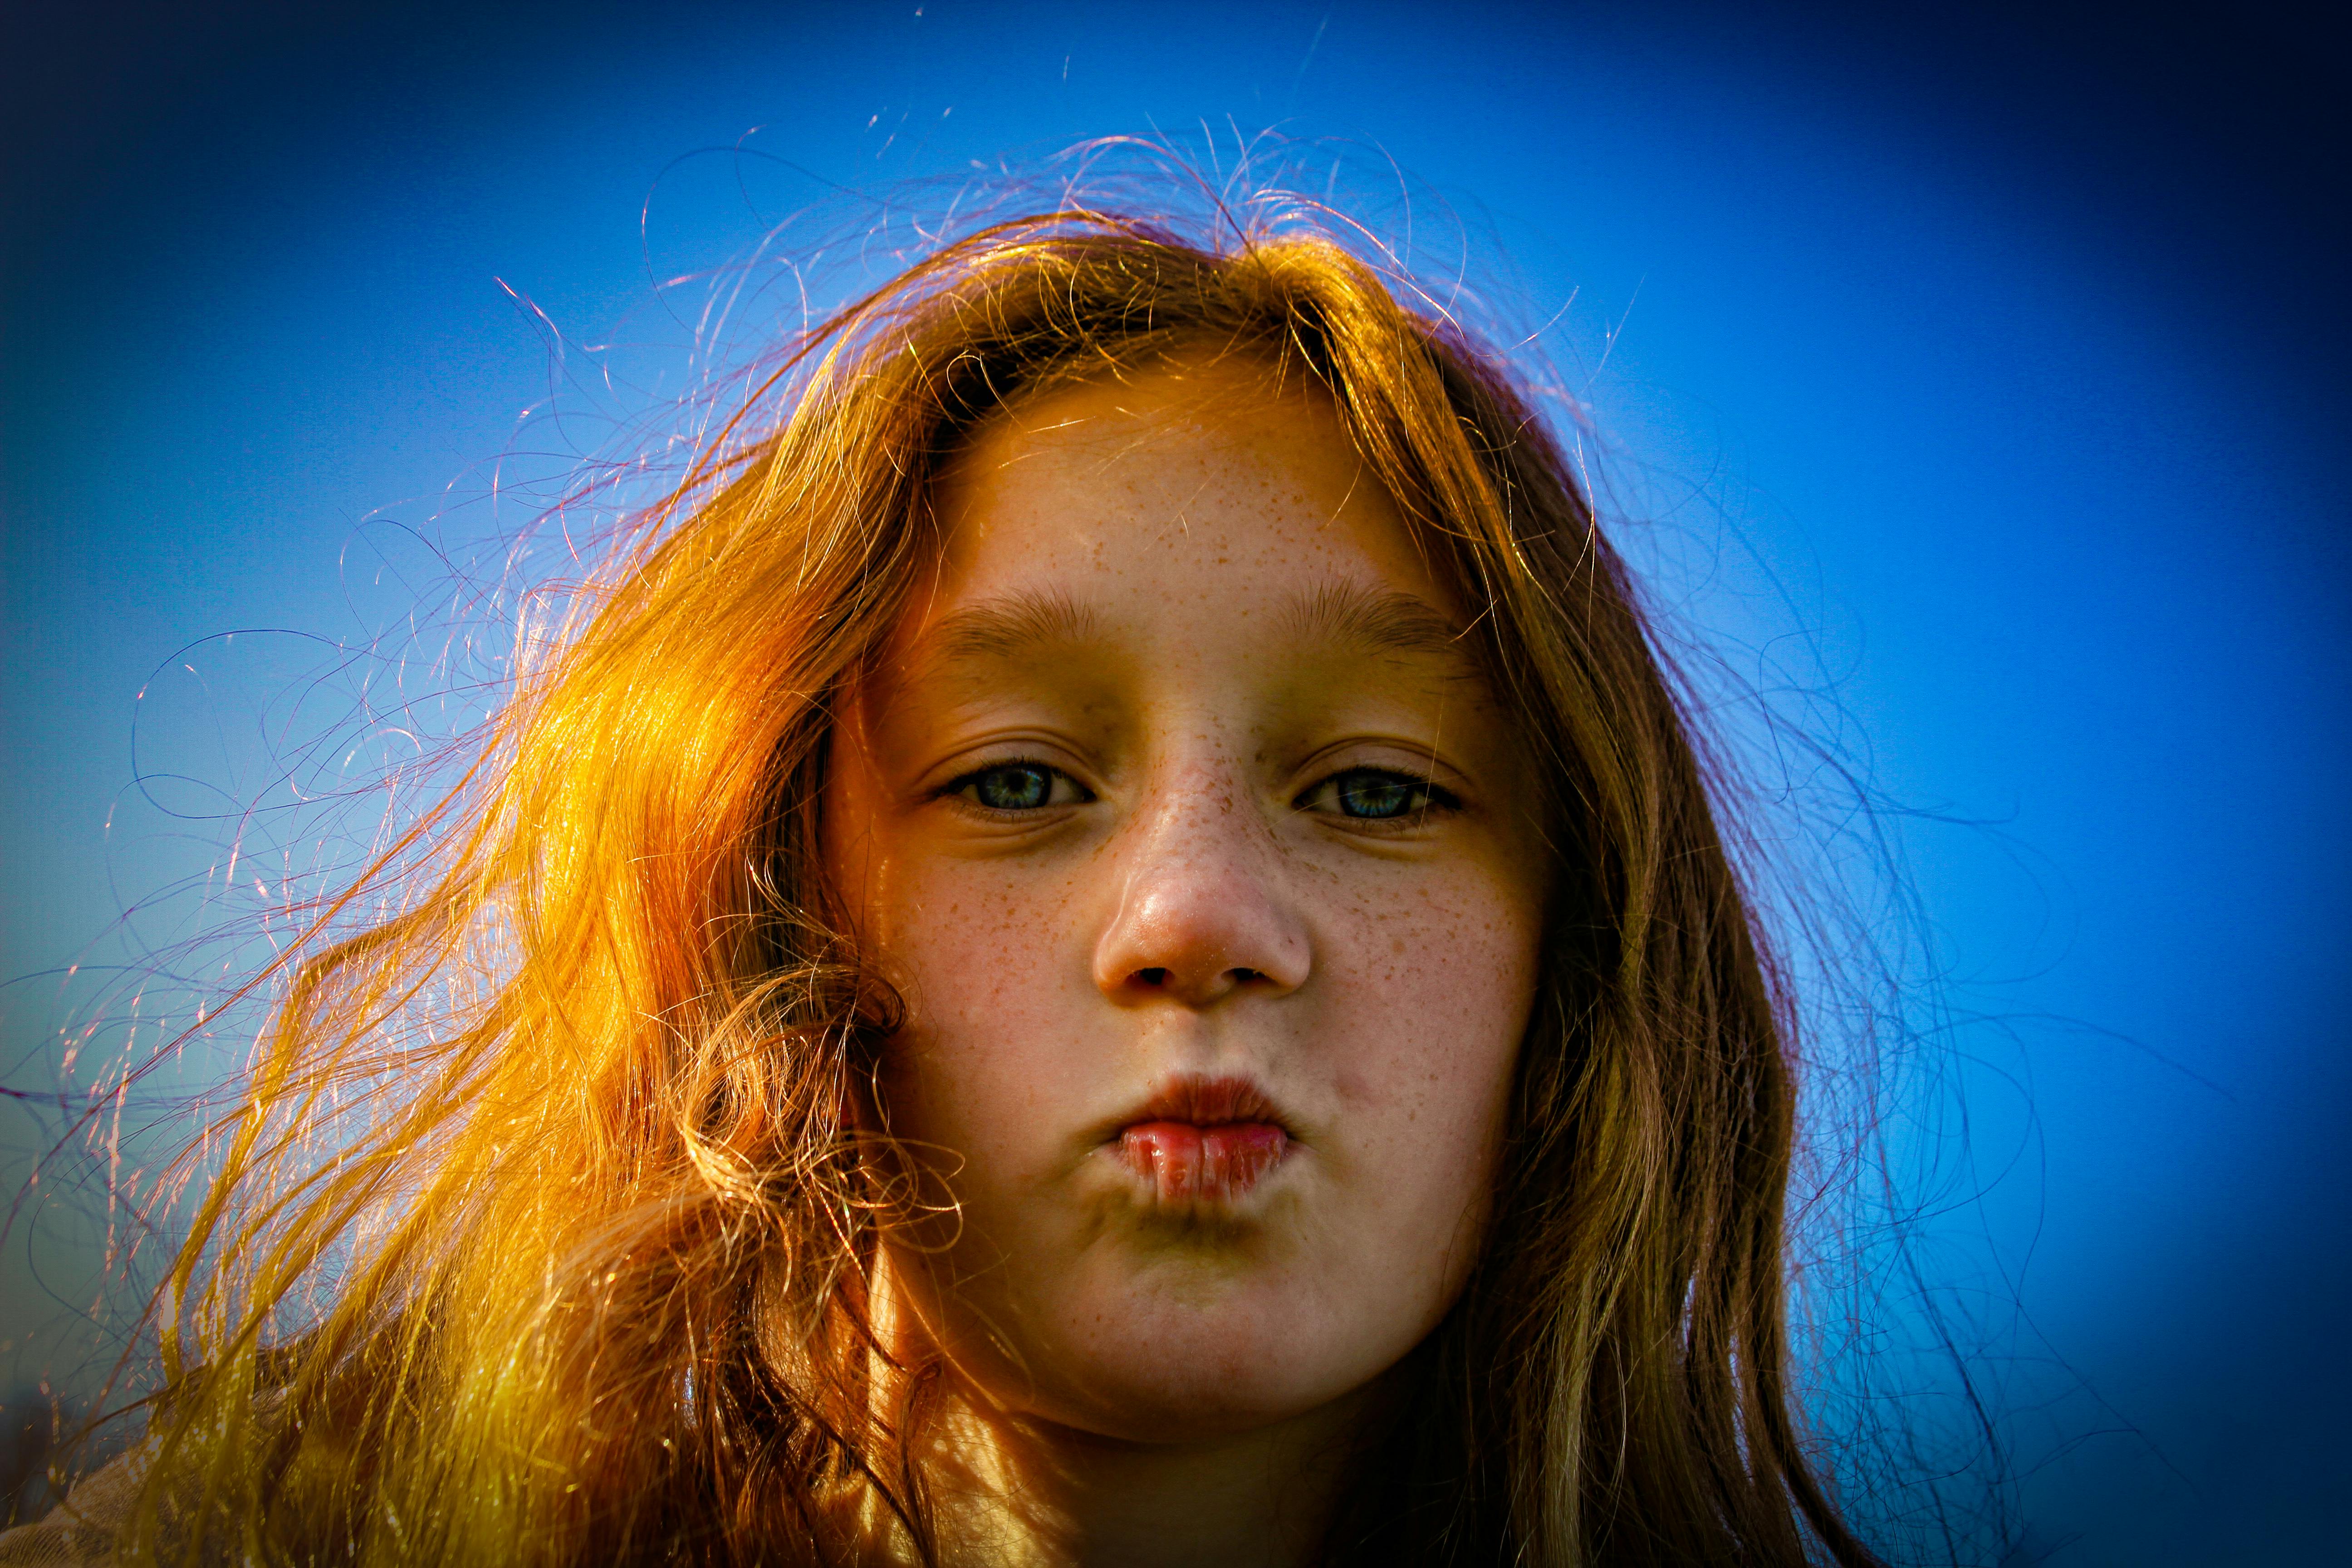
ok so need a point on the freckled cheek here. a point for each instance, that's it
(985, 959)
(1432, 990)
(979, 939)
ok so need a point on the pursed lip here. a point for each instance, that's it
(1201, 1138)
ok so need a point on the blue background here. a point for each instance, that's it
(1991, 362)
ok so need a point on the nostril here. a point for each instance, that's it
(1160, 977)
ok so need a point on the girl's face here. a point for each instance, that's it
(1182, 816)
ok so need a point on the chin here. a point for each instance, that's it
(1176, 1370)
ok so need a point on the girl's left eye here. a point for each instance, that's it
(1018, 786)
(1375, 795)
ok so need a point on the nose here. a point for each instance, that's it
(1202, 912)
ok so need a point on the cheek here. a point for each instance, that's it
(1431, 993)
(982, 956)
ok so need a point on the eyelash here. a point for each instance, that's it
(1423, 794)
(968, 786)
(1345, 784)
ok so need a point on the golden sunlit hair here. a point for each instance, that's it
(596, 1280)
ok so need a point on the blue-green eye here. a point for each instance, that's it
(1016, 786)
(1375, 795)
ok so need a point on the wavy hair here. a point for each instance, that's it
(599, 1269)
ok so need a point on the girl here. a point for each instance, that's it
(1105, 944)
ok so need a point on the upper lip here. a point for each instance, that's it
(1204, 1099)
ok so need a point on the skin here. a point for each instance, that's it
(1179, 623)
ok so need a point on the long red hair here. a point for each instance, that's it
(599, 1240)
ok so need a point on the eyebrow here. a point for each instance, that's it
(1018, 623)
(1376, 621)
(1349, 614)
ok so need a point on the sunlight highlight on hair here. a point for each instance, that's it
(567, 1124)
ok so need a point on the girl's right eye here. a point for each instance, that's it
(1018, 786)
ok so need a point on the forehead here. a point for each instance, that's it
(1202, 488)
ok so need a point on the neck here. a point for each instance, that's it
(1017, 1491)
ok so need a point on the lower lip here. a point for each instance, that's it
(1189, 1163)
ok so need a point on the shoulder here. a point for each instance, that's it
(79, 1533)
